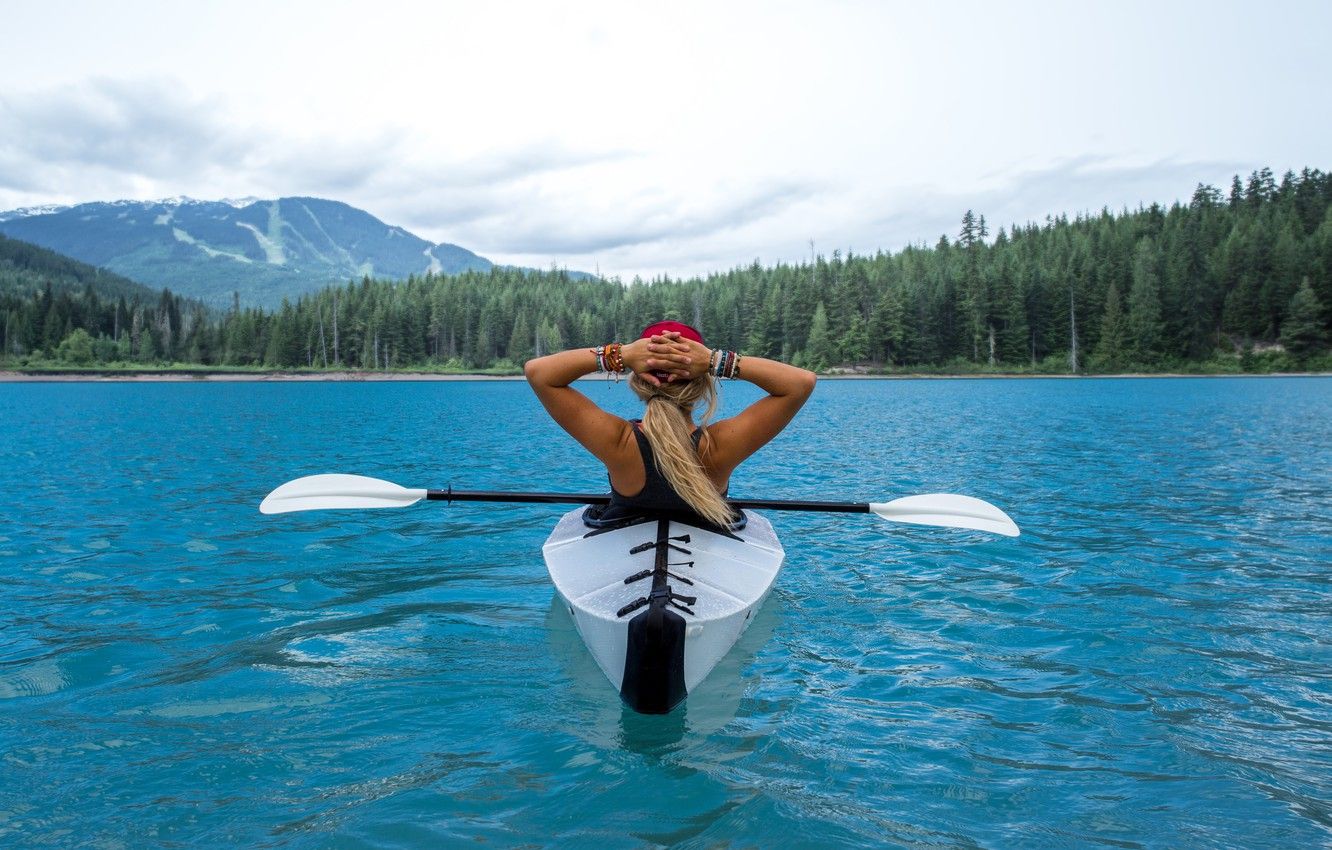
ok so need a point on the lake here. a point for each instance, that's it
(1149, 664)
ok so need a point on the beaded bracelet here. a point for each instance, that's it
(610, 359)
(724, 364)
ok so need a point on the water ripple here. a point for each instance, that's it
(1148, 665)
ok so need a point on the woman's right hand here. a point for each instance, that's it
(699, 355)
(657, 359)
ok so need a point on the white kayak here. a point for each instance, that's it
(659, 601)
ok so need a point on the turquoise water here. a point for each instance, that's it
(1150, 664)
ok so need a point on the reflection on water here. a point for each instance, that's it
(604, 721)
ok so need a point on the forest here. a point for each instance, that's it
(1237, 280)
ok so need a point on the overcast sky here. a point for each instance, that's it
(679, 138)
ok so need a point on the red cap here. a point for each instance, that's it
(664, 327)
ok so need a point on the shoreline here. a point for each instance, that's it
(93, 376)
(236, 377)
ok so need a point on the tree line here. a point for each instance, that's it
(1229, 280)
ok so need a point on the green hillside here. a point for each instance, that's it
(27, 269)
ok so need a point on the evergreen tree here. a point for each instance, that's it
(1113, 344)
(887, 329)
(1302, 333)
(855, 342)
(819, 350)
(521, 341)
(1144, 313)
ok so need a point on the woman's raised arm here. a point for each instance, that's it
(598, 431)
(734, 439)
(788, 388)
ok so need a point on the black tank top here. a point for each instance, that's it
(657, 494)
(656, 497)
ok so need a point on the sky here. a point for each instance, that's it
(642, 139)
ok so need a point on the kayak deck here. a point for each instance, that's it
(660, 601)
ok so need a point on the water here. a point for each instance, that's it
(1148, 665)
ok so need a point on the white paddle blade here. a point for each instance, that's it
(320, 492)
(948, 510)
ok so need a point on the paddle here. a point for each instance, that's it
(319, 492)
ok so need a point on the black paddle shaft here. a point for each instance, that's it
(451, 495)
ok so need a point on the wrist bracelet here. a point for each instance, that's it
(610, 358)
(728, 365)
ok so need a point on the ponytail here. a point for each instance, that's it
(668, 426)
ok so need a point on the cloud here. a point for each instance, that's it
(571, 226)
(537, 198)
(1087, 184)
(872, 217)
(440, 193)
(105, 139)
(917, 214)
(145, 130)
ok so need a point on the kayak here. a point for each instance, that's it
(659, 600)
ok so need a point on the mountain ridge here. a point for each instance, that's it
(264, 250)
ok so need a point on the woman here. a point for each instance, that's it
(665, 462)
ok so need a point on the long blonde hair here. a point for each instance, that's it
(668, 424)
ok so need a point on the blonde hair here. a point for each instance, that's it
(668, 424)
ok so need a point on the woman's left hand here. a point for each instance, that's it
(697, 356)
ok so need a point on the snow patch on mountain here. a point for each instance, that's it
(182, 236)
(273, 252)
(28, 212)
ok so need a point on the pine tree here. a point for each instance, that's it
(1111, 347)
(855, 342)
(818, 350)
(521, 340)
(1144, 313)
(887, 329)
(1302, 333)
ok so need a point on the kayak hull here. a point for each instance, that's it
(661, 600)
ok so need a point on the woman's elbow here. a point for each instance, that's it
(807, 381)
(532, 370)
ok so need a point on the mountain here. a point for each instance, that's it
(264, 250)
